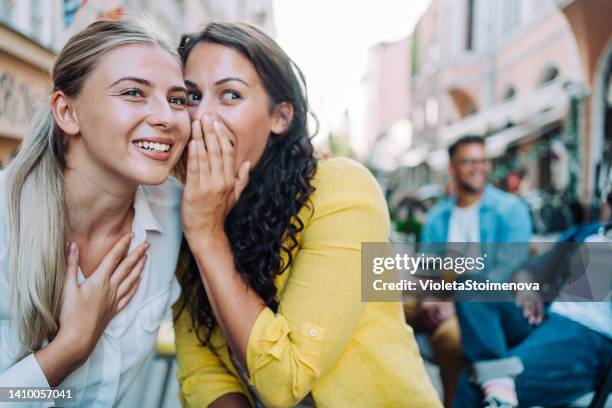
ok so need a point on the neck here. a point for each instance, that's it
(94, 207)
(467, 198)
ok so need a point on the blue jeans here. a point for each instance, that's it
(562, 359)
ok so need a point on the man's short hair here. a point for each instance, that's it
(468, 139)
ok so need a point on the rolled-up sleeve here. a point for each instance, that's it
(320, 306)
(25, 373)
(202, 376)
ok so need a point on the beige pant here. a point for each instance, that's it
(446, 346)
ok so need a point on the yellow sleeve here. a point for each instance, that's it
(320, 306)
(202, 375)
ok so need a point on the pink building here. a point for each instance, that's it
(387, 83)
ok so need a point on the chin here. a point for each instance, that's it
(151, 177)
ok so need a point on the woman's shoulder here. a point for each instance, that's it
(341, 166)
(3, 204)
(341, 175)
(4, 246)
(342, 184)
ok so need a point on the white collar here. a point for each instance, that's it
(144, 217)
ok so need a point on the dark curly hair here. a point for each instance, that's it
(263, 225)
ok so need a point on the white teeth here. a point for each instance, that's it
(155, 147)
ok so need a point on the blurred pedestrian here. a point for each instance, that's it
(476, 213)
(536, 354)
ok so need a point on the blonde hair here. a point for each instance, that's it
(37, 218)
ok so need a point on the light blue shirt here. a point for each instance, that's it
(502, 218)
(117, 361)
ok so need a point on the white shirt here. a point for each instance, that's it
(129, 340)
(464, 224)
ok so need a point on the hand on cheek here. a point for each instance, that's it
(212, 186)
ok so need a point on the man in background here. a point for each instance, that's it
(477, 212)
(528, 354)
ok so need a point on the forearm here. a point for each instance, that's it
(235, 304)
(59, 359)
(233, 400)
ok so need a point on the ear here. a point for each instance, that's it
(64, 114)
(451, 169)
(281, 117)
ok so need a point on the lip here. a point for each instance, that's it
(159, 156)
(155, 139)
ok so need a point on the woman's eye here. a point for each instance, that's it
(177, 100)
(133, 92)
(230, 95)
(193, 98)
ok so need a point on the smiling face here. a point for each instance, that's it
(224, 84)
(470, 167)
(129, 122)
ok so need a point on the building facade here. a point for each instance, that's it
(533, 78)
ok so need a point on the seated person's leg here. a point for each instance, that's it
(446, 345)
(489, 329)
(468, 393)
(562, 360)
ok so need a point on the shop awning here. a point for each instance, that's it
(538, 124)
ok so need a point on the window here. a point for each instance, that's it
(511, 14)
(414, 53)
(36, 19)
(6, 11)
(431, 112)
(469, 25)
(550, 74)
(509, 94)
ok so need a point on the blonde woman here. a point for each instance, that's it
(93, 173)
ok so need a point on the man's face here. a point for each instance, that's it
(470, 168)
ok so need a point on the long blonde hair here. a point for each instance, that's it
(38, 228)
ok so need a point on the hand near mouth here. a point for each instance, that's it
(212, 186)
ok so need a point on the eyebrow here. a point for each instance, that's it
(134, 79)
(175, 88)
(191, 84)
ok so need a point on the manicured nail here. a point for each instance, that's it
(207, 120)
(217, 126)
(196, 125)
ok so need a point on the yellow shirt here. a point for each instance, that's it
(323, 340)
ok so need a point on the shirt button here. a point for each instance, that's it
(313, 332)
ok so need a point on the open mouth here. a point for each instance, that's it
(153, 147)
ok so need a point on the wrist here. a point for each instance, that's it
(80, 346)
(210, 241)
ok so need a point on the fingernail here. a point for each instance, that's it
(207, 120)
(217, 126)
(196, 125)
(72, 248)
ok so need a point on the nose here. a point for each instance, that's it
(161, 114)
(205, 107)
